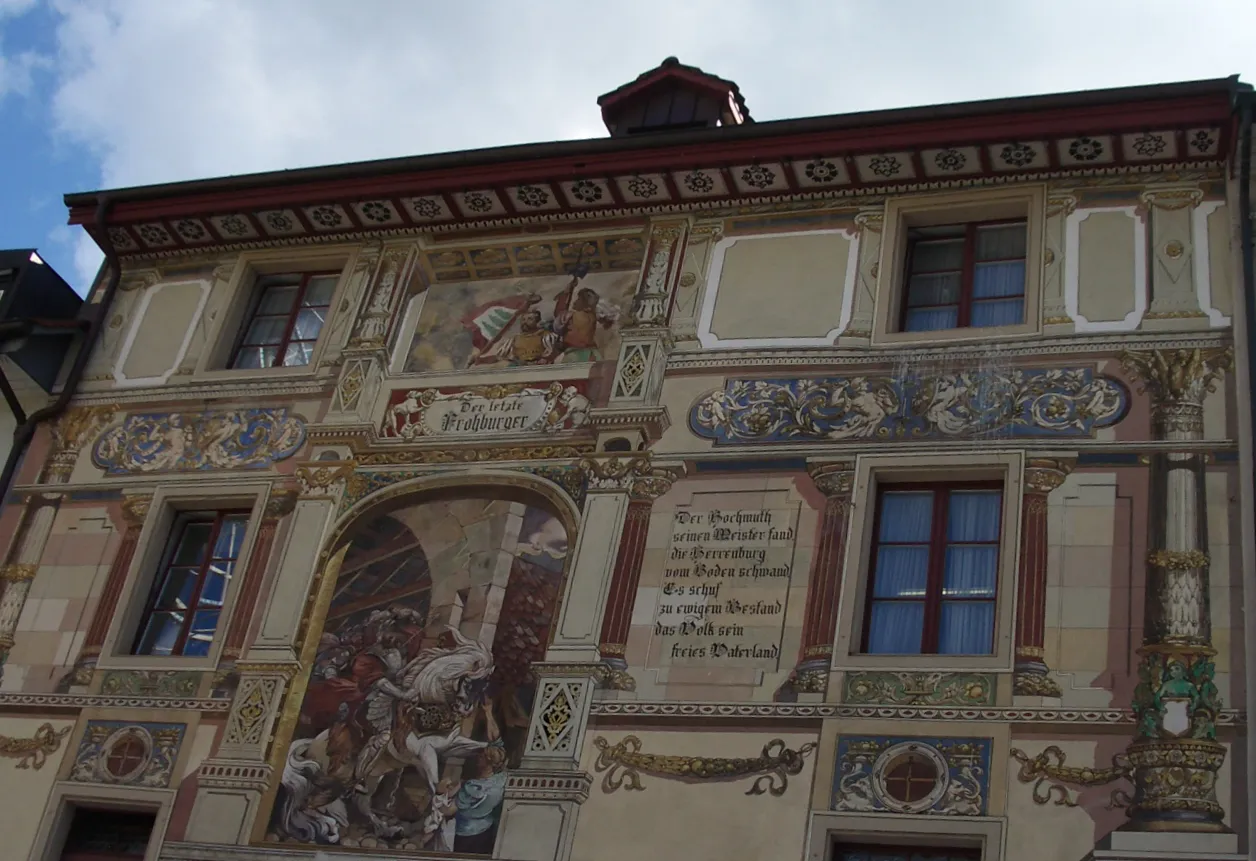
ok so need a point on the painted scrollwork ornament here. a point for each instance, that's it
(623, 763)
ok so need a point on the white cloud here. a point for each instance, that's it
(164, 91)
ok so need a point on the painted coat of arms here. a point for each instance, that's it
(1015, 402)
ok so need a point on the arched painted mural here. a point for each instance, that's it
(421, 690)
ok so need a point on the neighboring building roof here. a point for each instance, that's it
(672, 71)
(1179, 124)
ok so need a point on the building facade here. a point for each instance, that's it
(859, 487)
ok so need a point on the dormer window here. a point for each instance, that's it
(673, 97)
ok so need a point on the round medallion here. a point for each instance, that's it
(1174, 249)
(910, 777)
(126, 753)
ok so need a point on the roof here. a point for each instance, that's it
(672, 69)
(1176, 123)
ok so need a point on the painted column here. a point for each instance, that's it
(617, 620)
(1042, 475)
(1175, 756)
(824, 583)
(134, 512)
(69, 435)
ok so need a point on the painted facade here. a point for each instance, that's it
(564, 526)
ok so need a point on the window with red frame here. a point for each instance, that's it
(189, 591)
(288, 314)
(935, 560)
(962, 276)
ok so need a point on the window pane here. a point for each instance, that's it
(278, 299)
(230, 535)
(901, 572)
(254, 357)
(895, 627)
(298, 354)
(180, 586)
(906, 515)
(941, 289)
(202, 633)
(193, 543)
(970, 571)
(998, 312)
(973, 515)
(265, 330)
(1001, 242)
(937, 256)
(995, 280)
(309, 324)
(319, 290)
(161, 634)
(215, 586)
(967, 628)
(931, 319)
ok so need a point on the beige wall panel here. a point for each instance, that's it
(672, 820)
(1220, 260)
(1106, 267)
(162, 331)
(282, 615)
(679, 395)
(26, 790)
(781, 287)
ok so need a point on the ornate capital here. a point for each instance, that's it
(1043, 475)
(18, 572)
(834, 479)
(1174, 377)
(1061, 204)
(71, 433)
(635, 475)
(1171, 198)
(322, 481)
(135, 508)
(280, 504)
(871, 220)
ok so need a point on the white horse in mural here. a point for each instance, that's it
(417, 721)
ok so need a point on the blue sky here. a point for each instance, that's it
(108, 93)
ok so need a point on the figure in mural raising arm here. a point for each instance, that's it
(480, 798)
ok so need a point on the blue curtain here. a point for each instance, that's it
(967, 627)
(994, 286)
(932, 319)
(902, 571)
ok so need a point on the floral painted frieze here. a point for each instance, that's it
(1008, 402)
(884, 774)
(919, 689)
(503, 410)
(188, 442)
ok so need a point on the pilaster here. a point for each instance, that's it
(870, 224)
(1055, 316)
(1175, 756)
(1042, 475)
(810, 678)
(1174, 302)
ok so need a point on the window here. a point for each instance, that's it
(190, 588)
(283, 327)
(870, 852)
(104, 835)
(935, 560)
(963, 276)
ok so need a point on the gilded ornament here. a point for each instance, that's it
(1043, 475)
(33, 752)
(688, 279)
(1049, 766)
(1030, 684)
(280, 504)
(1178, 560)
(623, 763)
(193, 442)
(1178, 376)
(135, 508)
(322, 480)
(19, 572)
(1171, 199)
(1173, 249)
(1048, 257)
(928, 688)
(836, 479)
(1175, 696)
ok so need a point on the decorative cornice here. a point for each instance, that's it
(611, 709)
(243, 391)
(635, 474)
(815, 360)
(73, 702)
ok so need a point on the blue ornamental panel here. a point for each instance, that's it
(916, 775)
(971, 404)
(185, 442)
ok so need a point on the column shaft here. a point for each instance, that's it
(1031, 678)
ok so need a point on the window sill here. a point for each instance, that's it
(916, 663)
(948, 336)
(158, 662)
